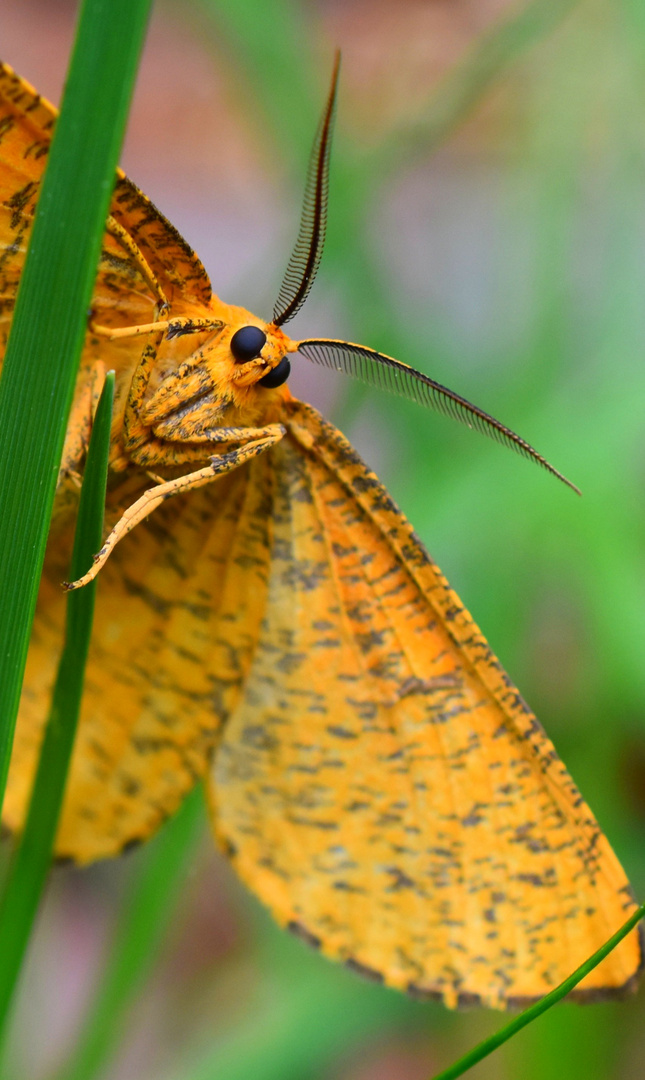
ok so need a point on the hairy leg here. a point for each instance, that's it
(153, 497)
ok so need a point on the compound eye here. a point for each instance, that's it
(278, 376)
(247, 343)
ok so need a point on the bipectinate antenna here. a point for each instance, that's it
(377, 369)
(373, 368)
(306, 255)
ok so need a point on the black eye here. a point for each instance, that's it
(247, 343)
(278, 376)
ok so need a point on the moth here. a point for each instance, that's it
(274, 627)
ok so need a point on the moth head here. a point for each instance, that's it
(258, 351)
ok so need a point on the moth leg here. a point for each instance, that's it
(135, 434)
(192, 429)
(153, 497)
(176, 327)
(76, 478)
(88, 391)
(89, 384)
(123, 238)
(188, 445)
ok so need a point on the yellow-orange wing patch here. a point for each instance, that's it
(26, 124)
(148, 718)
(383, 787)
(176, 623)
(151, 257)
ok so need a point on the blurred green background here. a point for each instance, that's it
(487, 226)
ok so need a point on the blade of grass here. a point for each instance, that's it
(142, 926)
(30, 864)
(51, 312)
(458, 1068)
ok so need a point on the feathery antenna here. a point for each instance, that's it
(377, 369)
(306, 255)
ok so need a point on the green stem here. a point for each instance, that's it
(30, 864)
(458, 1068)
(51, 315)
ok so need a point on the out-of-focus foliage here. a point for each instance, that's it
(509, 265)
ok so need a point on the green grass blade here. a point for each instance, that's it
(143, 923)
(51, 312)
(30, 865)
(509, 1030)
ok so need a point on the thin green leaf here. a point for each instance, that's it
(50, 317)
(30, 865)
(488, 1045)
(145, 918)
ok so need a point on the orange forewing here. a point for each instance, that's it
(144, 710)
(382, 786)
(373, 773)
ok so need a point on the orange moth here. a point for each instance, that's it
(274, 627)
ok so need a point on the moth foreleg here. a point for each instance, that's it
(123, 238)
(88, 391)
(134, 432)
(154, 497)
(176, 327)
(194, 430)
